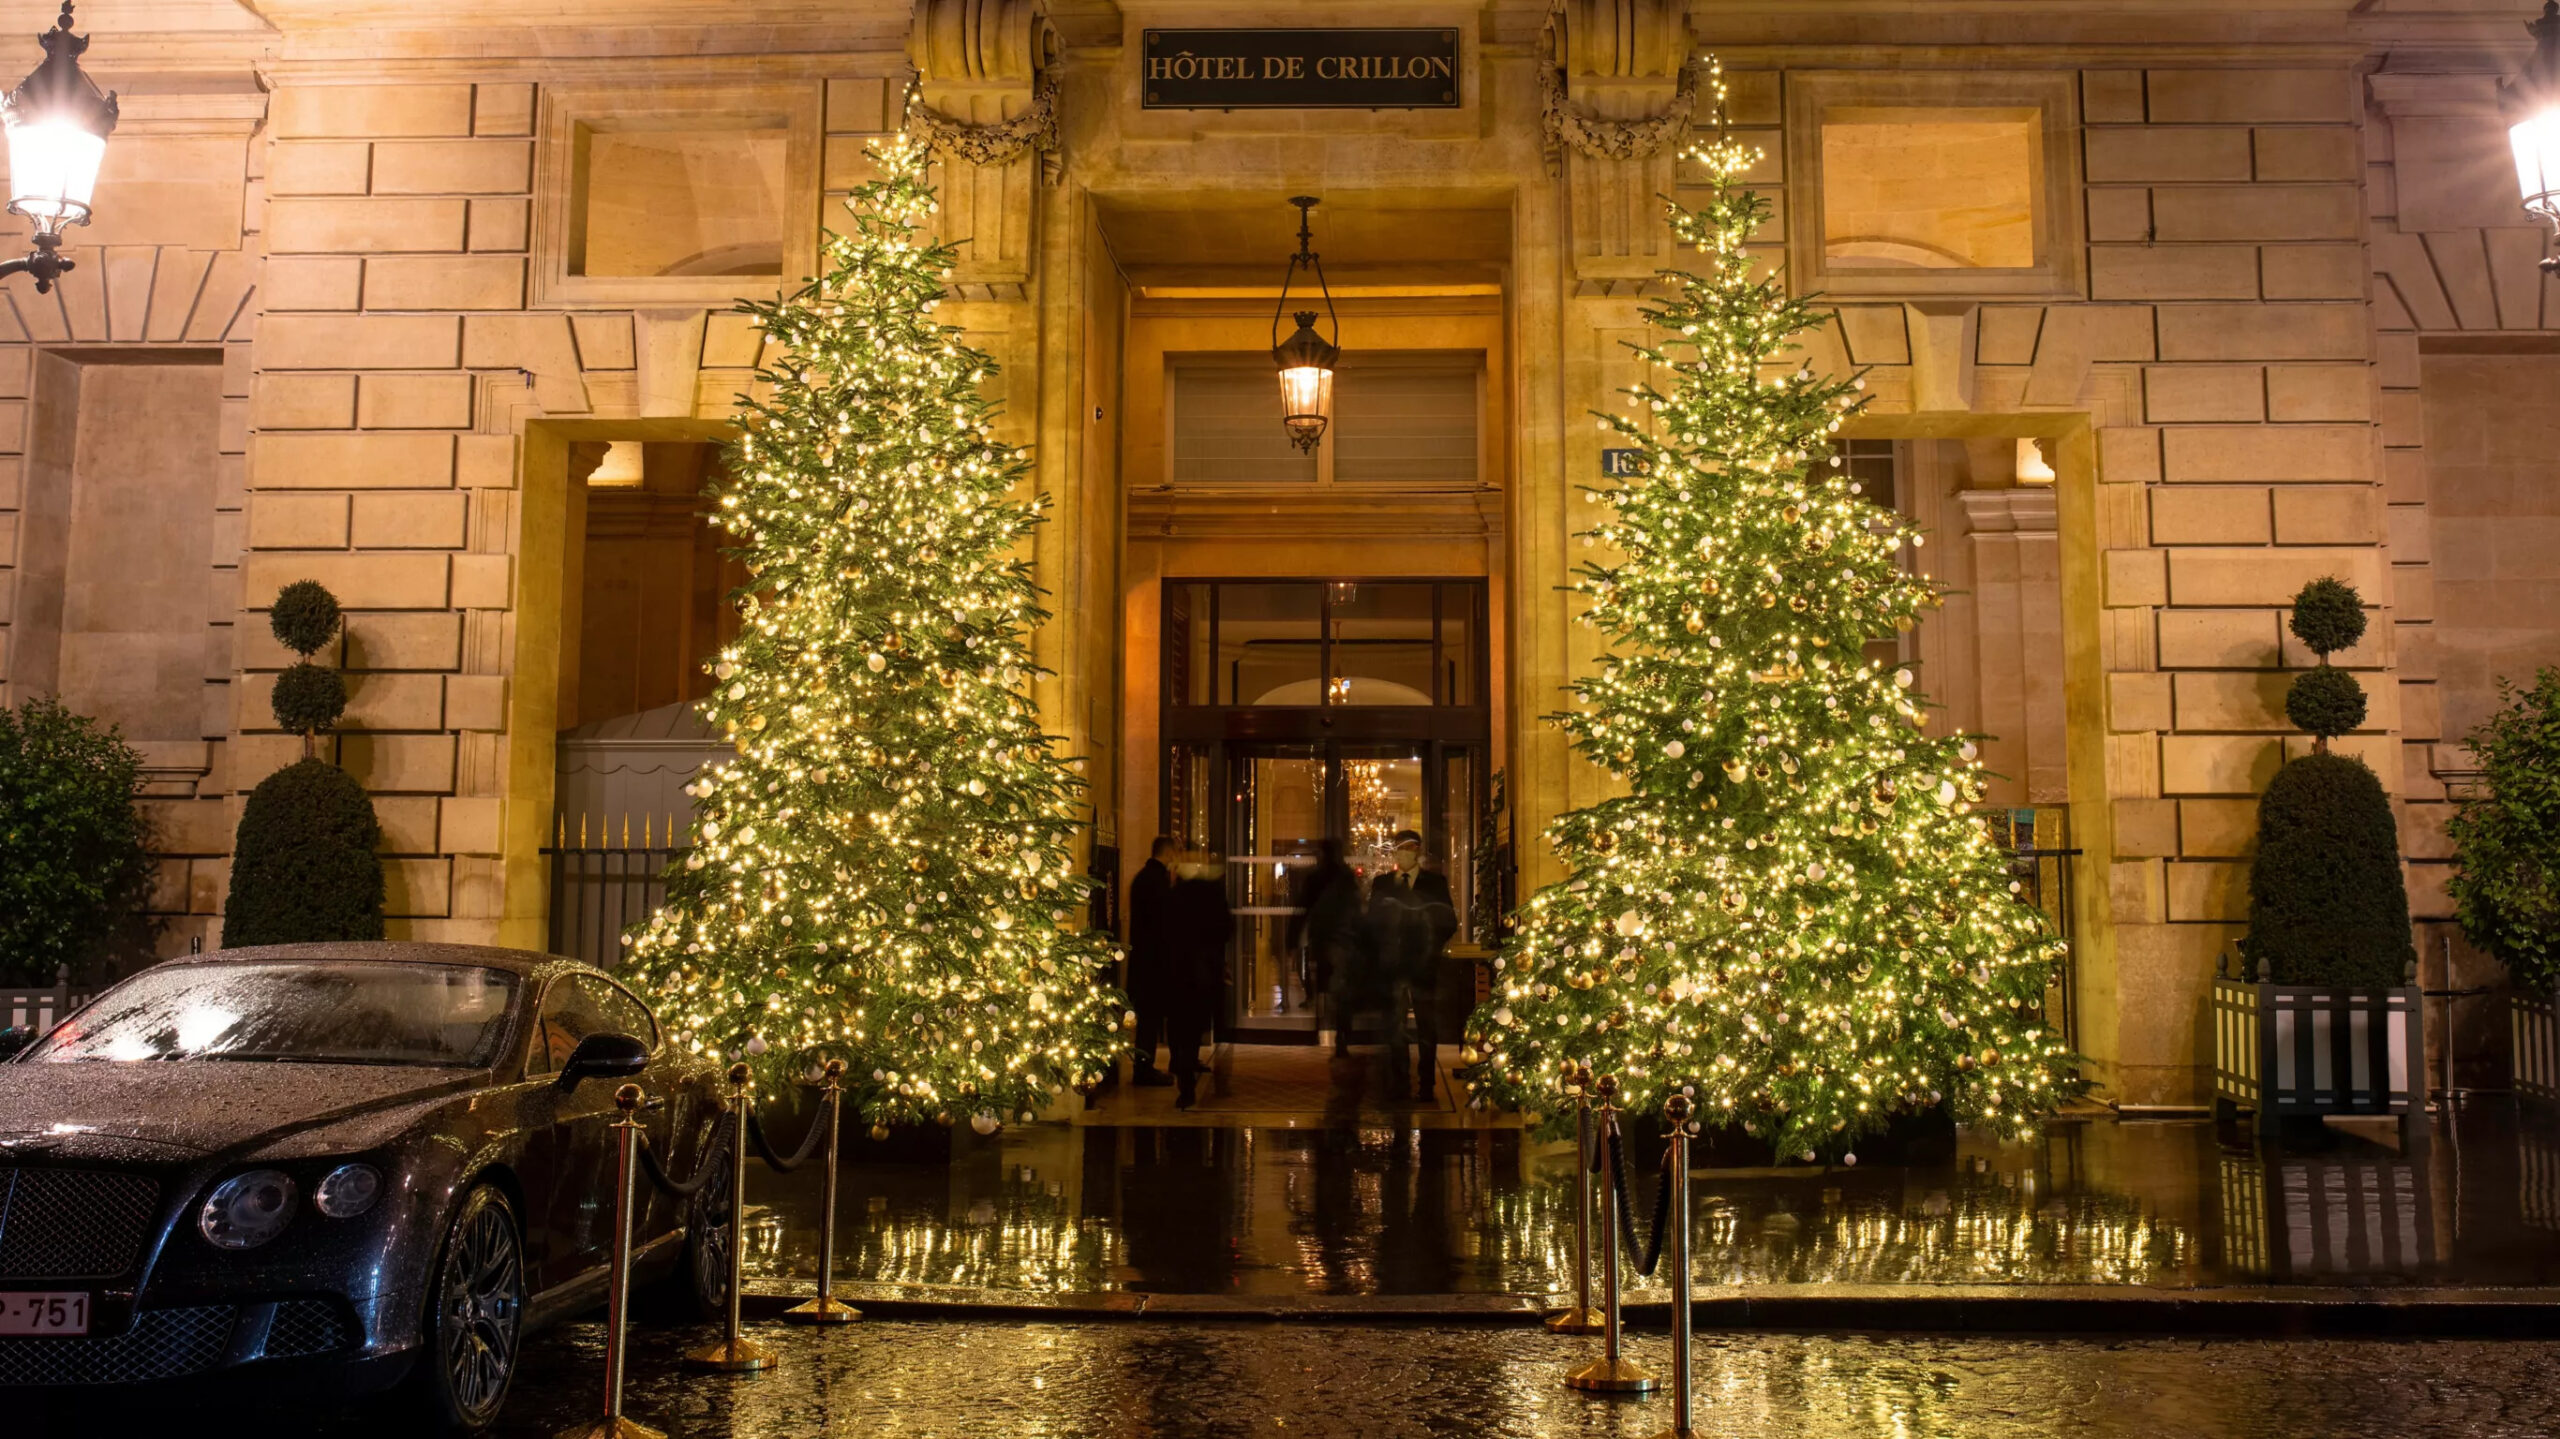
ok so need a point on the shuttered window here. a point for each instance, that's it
(1226, 424)
(1404, 420)
(1411, 424)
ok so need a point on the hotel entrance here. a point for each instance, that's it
(1303, 710)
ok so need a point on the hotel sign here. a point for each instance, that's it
(1301, 69)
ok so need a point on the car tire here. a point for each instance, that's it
(474, 1331)
(699, 1287)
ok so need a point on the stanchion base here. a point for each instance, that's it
(824, 1309)
(615, 1428)
(1624, 1377)
(1576, 1320)
(731, 1356)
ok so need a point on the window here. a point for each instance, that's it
(678, 195)
(579, 1005)
(1409, 420)
(1917, 185)
(678, 202)
(1291, 643)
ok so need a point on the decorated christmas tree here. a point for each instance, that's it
(1790, 906)
(884, 873)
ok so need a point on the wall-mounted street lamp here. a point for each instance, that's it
(58, 124)
(2532, 105)
(1306, 359)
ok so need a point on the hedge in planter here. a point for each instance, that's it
(2327, 905)
(2506, 839)
(72, 867)
(303, 866)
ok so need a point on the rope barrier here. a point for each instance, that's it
(808, 1142)
(723, 1131)
(1647, 1253)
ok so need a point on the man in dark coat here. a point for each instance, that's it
(1151, 957)
(1411, 918)
(1200, 926)
(1328, 925)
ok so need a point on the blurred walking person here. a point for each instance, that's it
(1200, 926)
(1328, 926)
(1151, 958)
(1411, 919)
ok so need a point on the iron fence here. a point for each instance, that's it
(606, 878)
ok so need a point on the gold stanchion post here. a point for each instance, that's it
(618, 1300)
(1677, 1110)
(1579, 1319)
(1613, 1372)
(826, 1308)
(736, 1353)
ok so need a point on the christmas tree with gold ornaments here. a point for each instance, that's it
(886, 872)
(1792, 906)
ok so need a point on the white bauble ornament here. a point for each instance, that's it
(984, 1123)
(1675, 749)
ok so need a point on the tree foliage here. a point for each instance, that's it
(2506, 837)
(72, 861)
(1792, 907)
(2327, 904)
(304, 869)
(886, 871)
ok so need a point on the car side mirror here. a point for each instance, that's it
(604, 1056)
(14, 1038)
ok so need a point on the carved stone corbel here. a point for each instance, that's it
(986, 103)
(1618, 95)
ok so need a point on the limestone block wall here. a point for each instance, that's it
(123, 431)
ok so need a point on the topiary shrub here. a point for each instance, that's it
(303, 867)
(302, 864)
(2506, 838)
(72, 867)
(2327, 904)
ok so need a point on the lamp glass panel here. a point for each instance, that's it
(53, 169)
(1306, 390)
(2536, 142)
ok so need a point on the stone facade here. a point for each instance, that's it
(2282, 323)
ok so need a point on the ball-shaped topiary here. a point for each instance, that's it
(2328, 616)
(309, 698)
(305, 617)
(2506, 837)
(2326, 901)
(303, 867)
(2327, 701)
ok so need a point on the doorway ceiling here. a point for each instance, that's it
(1371, 242)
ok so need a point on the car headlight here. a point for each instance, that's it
(347, 1191)
(247, 1210)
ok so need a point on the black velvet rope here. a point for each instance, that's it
(1649, 1253)
(723, 1131)
(808, 1142)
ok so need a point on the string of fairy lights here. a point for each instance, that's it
(884, 873)
(1791, 908)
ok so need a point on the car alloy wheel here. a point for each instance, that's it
(479, 1307)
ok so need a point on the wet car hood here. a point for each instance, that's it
(202, 1107)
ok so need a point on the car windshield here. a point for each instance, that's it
(307, 1012)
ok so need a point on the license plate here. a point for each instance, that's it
(65, 1313)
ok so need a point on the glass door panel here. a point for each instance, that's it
(1280, 798)
(1382, 643)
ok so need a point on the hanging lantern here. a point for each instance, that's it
(2532, 105)
(57, 123)
(1306, 359)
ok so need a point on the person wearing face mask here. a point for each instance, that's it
(1411, 919)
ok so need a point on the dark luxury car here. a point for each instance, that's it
(336, 1168)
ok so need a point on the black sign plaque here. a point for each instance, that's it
(1300, 69)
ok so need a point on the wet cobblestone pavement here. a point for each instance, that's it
(917, 1380)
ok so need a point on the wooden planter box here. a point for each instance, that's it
(2535, 1027)
(2287, 1050)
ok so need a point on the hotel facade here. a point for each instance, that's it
(2164, 308)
